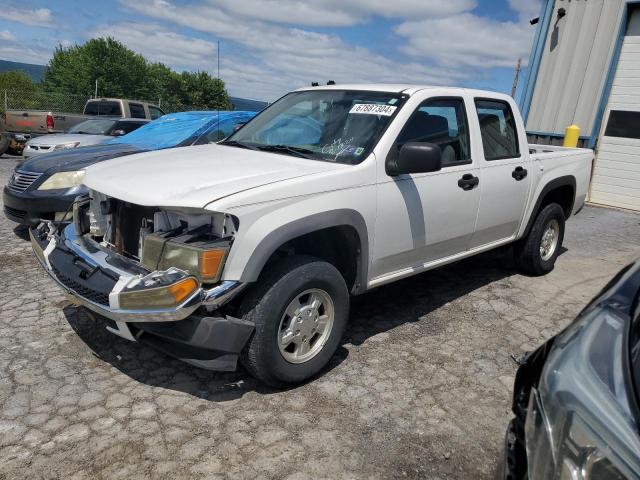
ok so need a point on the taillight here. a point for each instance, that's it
(50, 123)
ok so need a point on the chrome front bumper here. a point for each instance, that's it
(100, 259)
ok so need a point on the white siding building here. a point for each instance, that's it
(585, 69)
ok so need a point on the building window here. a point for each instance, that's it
(623, 123)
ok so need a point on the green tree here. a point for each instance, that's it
(16, 80)
(121, 72)
(203, 90)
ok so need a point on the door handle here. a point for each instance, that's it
(519, 173)
(468, 181)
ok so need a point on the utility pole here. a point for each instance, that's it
(516, 78)
(95, 95)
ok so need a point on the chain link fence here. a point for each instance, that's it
(68, 103)
(38, 100)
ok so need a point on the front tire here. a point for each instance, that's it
(536, 254)
(300, 308)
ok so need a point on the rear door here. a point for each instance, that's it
(504, 170)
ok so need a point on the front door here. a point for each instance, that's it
(505, 174)
(426, 217)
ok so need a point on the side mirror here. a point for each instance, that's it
(118, 133)
(414, 157)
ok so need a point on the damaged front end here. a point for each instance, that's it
(155, 273)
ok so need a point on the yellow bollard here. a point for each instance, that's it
(571, 136)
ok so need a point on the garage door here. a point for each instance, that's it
(616, 176)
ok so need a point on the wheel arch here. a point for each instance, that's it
(561, 190)
(342, 225)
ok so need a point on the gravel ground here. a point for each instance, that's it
(420, 388)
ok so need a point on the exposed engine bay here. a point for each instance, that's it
(194, 240)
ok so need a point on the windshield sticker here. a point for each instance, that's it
(339, 146)
(359, 151)
(373, 109)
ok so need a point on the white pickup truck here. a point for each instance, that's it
(250, 249)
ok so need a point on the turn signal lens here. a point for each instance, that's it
(183, 289)
(210, 261)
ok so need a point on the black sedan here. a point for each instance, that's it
(576, 398)
(45, 186)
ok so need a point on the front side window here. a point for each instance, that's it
(137, 110)
(441, 121)
(331, 125)
(155, 112)
(498, 129)
(127, 126)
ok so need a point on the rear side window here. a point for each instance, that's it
(155, 112)
(441, 121)
(498, 129)
(137, 110)
(103, 107)
(623, 124)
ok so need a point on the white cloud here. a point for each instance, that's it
(467, 40)
(282, 58)
(526, 9)
(158, 44)
(40, 17)
(338, 13)
(6, 35)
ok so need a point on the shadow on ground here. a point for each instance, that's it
(380, 310)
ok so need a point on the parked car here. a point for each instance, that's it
(250, 248)
(89, 132)
(575, 398)
(44, 187)
(18, 126)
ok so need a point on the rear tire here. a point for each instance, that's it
(281, 306)
(536, 254)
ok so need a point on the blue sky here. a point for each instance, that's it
(269, 47)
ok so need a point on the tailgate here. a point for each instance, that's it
(24, 121)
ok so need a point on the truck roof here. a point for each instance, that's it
(409, 89)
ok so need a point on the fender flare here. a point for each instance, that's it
(310, 224)
(564, 181)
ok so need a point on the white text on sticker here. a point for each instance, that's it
(373, 109)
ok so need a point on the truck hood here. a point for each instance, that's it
(75, 158)
(62, 138)
(193, 177)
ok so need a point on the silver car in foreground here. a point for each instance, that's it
(576, 397)
(89, 132)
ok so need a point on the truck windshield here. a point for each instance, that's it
(93, 127)
(332, 125)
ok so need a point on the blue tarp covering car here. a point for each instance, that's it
(44, 187)
(175, 129)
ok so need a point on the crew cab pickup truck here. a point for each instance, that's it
(250, 248)
(18, 126)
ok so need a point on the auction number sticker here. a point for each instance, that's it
(373, 109)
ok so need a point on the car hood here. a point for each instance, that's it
(84, 139)
(75, 158)
(193, 177)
